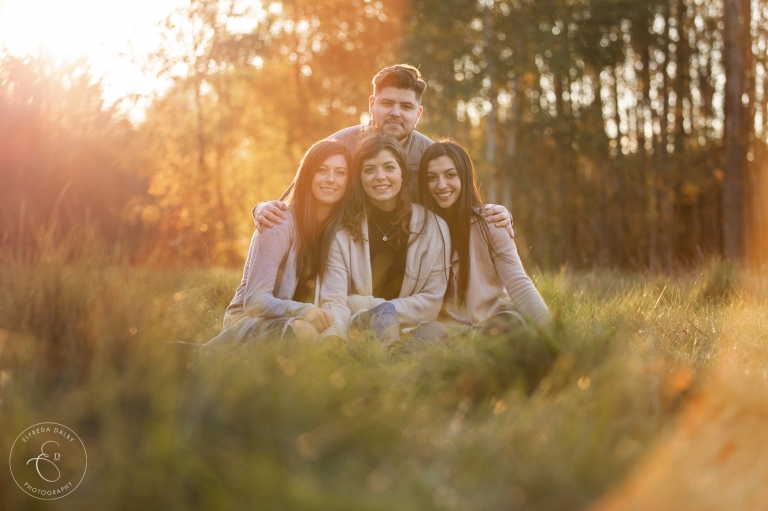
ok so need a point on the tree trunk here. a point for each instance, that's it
(493, 93)
(513, 136)
(736, 30)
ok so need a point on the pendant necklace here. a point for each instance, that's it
(382, 230)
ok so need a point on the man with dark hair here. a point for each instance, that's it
(395, 108)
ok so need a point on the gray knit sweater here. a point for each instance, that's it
(269, 278)
(414, 147)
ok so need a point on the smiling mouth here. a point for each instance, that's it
(444, 195)
(382, 187)
(328, 190)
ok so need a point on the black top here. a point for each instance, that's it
(387, 256)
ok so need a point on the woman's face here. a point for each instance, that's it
(382, 179)
(330, 180)
(443, 181)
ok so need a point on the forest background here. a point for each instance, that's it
(626, 134)
(623, 135)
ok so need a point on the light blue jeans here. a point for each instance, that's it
(383, 322)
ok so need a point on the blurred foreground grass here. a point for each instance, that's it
(84, 342)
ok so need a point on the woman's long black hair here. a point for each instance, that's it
(313, 240)
(466, 209)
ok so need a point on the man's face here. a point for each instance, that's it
(395, 111)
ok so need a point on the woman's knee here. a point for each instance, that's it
(382, 321)
(505, 323)
(384, 308)
(381, 316)
(429, 331)
(304, 331)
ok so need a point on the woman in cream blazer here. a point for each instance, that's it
(387, 270)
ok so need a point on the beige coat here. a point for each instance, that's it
(496, 283)
(347, 284)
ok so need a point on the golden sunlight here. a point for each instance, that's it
(76, 27)
(107, 32)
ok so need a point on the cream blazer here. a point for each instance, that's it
(347, 283)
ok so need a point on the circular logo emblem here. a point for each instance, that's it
(48, 461)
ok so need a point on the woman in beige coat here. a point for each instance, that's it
(489, 292)
(388, 266)
(489, 288)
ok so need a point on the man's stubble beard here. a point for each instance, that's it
(400, 138)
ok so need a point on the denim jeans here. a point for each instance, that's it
(382, 321)
(429, 331)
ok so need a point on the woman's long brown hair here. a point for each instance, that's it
(357, 205)
(313, 240)
(460, 218)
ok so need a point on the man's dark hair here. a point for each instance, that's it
(400, 76)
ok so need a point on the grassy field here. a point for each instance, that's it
(85, 342)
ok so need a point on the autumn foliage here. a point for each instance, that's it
(601, 125)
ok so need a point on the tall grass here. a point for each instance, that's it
(85, 341)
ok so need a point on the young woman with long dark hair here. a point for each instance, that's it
(279, 290)
(388, 266)
(489, 288)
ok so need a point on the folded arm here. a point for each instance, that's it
(424, 305)
(356, 303)
(521, 290)
(333, 293)
(265, 256)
